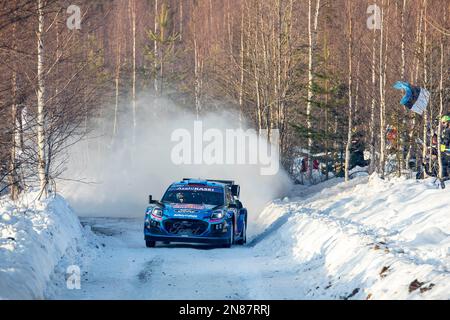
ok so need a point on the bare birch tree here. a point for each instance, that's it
(350, 95)
(40, 91)
(313, 21)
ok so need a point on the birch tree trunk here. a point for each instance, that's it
(180, 27)
(310, 93)
(356, 104)
(312, 37)
(13, 175)
(441, 111)
(350, 107)
(196, 78)
(117, 86)
(382, 76)
(327, 98)
(241, 66)
(425, 80)
(372, 166)
(133, 90)
(402, 116)
(414, 78)
(403, 40)
(162, 21)
(198, 69)
(14, 179)
(256, 72)
(43, 179)
(155, 50)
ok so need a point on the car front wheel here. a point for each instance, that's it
(150, 244)
(231, 239)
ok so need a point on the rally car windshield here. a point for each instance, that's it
(194, 197)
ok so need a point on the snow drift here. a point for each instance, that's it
(34, 236)
(366, 239)
(122, 172)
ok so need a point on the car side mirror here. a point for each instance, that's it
(158, 203)
(239, 204)
(233, 205)
(235, 190)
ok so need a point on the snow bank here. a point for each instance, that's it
(366, 239)
(34, 236)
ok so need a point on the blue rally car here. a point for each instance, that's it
(197, 211)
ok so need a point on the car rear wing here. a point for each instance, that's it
(235, 189)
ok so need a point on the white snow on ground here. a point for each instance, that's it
(370, 239)
(34, 235)
(366, 239)
(276, 208)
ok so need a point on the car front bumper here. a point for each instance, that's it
(154, 231)
(189, 239)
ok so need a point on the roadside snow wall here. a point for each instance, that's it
(34, 235)
(366, 239)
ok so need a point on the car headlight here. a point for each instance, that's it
(157, 212)
(218, 214)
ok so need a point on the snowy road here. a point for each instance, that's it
(123, 268)
(359, 240)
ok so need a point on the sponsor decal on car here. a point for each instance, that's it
(188, 206)
(179, 215)
(195, 188)
(185, 210)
